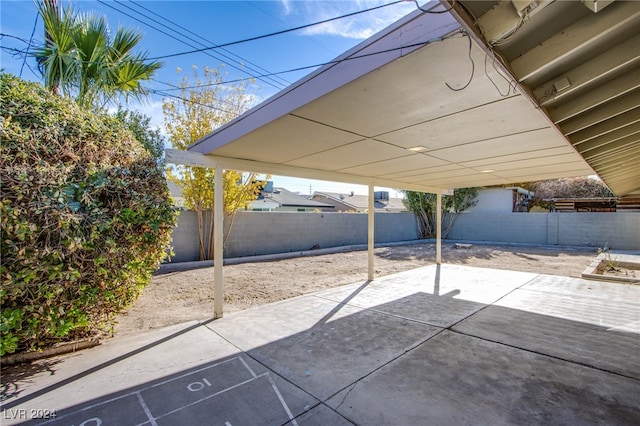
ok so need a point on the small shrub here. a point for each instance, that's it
(86, 218)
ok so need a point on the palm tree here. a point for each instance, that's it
(83, 61)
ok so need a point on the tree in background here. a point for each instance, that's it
(140, 125)
(423, 206)
(578, 187)
(83, 61)
(204, 104)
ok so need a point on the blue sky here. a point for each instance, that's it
(219, 22)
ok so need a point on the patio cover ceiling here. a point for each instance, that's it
(397, 111)
(580, 61)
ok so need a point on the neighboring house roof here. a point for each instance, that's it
(280, 197)
(263, 204)
(285, 198)
(361, 202)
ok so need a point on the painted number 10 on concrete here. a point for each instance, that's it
(198, 386)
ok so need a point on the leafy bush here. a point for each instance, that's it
(86, 218)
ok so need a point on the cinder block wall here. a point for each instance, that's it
(617, 230)
(527, 228)
(257, 233)
(185, 238)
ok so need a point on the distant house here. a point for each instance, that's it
(360, 203)
(504, 200)
(270, 199)
(176, 194)
(280, 199)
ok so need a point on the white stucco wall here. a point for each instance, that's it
(499, 200)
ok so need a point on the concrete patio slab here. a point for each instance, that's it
(602, 290)
(261, 326)
(179, 381)
(448, 345)
(457, 379)
(116, 365)
(448, 290)
(321, 415)
(344, 345)
(236, 389)
(572, 319)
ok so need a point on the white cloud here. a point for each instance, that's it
(152, 108)
(286, 6)
(360, 26)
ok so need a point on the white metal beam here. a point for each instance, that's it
(503, 19)
(596, 97)
(588, 31)
(605, 142)
(602, 113)
(602, 129)
(189, 158)
(609, 63)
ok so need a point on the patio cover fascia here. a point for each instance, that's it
(394, 111)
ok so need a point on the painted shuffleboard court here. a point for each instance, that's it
(203, 396)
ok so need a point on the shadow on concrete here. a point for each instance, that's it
(11, 377)
(339, 306)
(233, 390)
(21, 373)
(398, 363)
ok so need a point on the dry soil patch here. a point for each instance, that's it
(178, 297)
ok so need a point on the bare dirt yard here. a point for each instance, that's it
(178, 297)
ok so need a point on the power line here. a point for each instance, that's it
(27, 42)
(172, 35)
(220, 46)
(257, 6)
(180, 98)
(433, 11)
(174, 87)
(149, 25)
(283, 81)
(33, 31)
(172, 55)
(332, 62)
(19, 53)
(303, 68)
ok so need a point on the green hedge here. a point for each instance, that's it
(86, 218)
